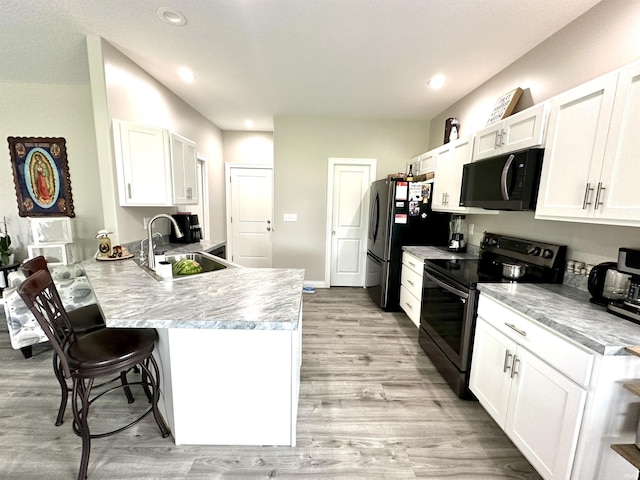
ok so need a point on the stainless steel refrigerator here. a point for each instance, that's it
(400, 214)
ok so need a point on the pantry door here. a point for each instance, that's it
(250, 215)
(347, 220)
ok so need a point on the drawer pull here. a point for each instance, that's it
(516, 329)
(410, 283)
(412, 264)
(408, 306)
(507, 358)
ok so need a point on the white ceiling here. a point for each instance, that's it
(259, 58)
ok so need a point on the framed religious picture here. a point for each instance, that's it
(41, 176)
(504, 106)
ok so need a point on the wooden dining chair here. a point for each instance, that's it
(84, 358)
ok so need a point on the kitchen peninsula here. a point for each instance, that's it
(229, 347)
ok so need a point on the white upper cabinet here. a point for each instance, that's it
(154, 167)
(620, 179)
(524, 129)
(143, 164)
(590, 168)
(183, 161)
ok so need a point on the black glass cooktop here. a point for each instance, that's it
(469, 272)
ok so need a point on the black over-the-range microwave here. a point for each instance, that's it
(504, 182)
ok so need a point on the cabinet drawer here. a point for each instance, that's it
(414, 263)
(411, 305)
(558, 351)
(411, 281)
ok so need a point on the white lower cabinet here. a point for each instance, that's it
(538, 402)
(411, 287)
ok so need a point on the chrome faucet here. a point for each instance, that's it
(143, 258)
(151, 261)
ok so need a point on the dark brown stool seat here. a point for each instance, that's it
(83, 359)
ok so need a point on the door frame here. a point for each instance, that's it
(203, 184)
(228, 166)
(331, 164)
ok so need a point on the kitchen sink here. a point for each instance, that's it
(208, 262)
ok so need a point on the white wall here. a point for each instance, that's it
(123, 90)
(302, 147)
(603, 39)
(37, 110)
(247, 147)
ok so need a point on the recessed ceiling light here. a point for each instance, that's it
(186, 75)
(171, 16)
(248, 123)
(437, 81)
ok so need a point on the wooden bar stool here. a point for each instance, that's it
(83, 320)
(83, 359)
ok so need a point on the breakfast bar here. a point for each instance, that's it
(229, 346)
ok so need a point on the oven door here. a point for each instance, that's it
(447, 317)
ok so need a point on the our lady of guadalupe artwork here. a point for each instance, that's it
(41, 176)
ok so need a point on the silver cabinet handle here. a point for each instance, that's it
(189, 193)
(586, 196)
(129, 189)
(412, 264)
(507, 358)
(502, 135)
(410, 283)
(498, 139)
(408, 306)
(514, 364)
(516, 329)
(598, 192)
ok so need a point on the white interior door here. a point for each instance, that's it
(250, 197)
(348, 224)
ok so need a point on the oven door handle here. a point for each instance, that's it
(447, 287)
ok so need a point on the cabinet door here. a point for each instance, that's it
(426, 162)
(183, 163)
(524, 129)
(491, 364)
(442, 179)
(544, 416)
(410, 304)
(488, 142)
(617, 191)
(574, 149)
(462, 150)
(142, 164)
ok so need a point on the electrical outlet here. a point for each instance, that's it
(145, 222)
(290, 217)
(471, 228)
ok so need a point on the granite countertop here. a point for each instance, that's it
(233, 298)
(568, 311)
(438, 252)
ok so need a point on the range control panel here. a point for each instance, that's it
(529, 251)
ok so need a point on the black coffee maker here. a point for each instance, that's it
(189, 226)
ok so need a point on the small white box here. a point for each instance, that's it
(54, 253)
(50, 230)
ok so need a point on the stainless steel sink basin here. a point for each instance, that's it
(208, 262)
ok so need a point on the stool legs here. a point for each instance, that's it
(81, 401)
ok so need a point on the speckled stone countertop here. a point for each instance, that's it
(438, 252)
(568, 311)
(233, 298)
(562, 308)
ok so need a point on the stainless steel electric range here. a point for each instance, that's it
(450, 297)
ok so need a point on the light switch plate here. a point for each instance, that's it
(290, 217)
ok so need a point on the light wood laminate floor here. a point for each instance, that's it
(372, 406)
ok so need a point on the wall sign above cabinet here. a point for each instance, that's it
(504, 106)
